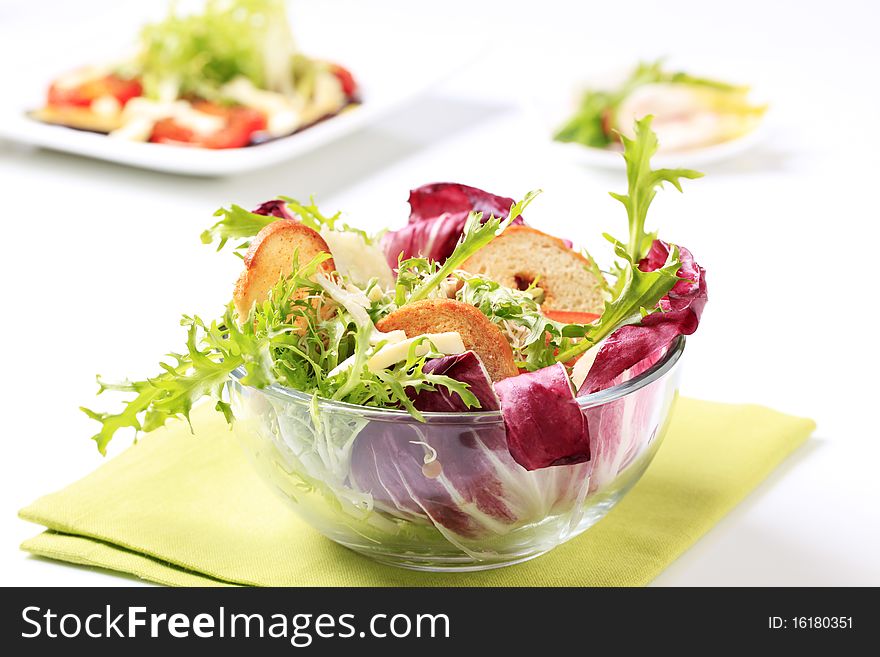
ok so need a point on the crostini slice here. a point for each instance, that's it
(270, 256)
(522, 255)
(79, 118)
(477, 332)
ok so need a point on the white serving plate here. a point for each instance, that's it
(392, 68)
(558, 99)
(379, 98)
(386, 80)
(689, 159)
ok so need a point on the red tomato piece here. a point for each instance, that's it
(241, 123)
(570, 317)
(82, 95)
(346, 79)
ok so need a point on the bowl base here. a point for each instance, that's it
(462, 564)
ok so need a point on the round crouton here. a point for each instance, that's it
(521, 255)
(477, 332)
(270, 257)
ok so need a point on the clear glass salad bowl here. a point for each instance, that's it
(445, 494)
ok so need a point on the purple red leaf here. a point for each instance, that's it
(466, 368)
(679, 314)
(438, 213)
(545, 426)
(274, 208)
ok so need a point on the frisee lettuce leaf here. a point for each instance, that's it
(213, 352)
(640, 292)
(236, 223)
(636, 293)
(196, 54)
(311, 216)
(642, 184)
(596, 271)
(533, 337)
(294, 339)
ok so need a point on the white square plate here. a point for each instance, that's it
(379, 98)
(391, 69)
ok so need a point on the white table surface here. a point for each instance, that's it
(99, 260)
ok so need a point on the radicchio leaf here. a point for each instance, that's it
(438, 213)
(465, 367)
(388, 461)
(680, 312)
(621, 429)
(430, 201)
(274, 208)
(545, 426)
(464, 495)
(473, 487)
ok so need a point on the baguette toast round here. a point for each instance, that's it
(477, 332)
(80, 118)
(270, 256)
(521, 255)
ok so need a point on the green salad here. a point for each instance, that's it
(689, 111)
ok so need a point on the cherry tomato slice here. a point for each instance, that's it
(241, 123)
(346, 79)
(570, 317)
(82, 95)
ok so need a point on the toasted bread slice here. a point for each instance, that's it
(270, 257)
(81, 118)
(521, 254)
(475, 329)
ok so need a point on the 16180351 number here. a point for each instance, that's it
(810, 623)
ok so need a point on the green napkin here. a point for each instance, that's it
(189, 510)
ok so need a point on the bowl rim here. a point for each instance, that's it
(657, 371)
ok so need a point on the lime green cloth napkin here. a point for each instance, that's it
(189, 510)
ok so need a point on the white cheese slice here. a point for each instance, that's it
(201, 123)
(107, 107)
(390, 337)
(137, 128)
(327, 98)
(141, 114)
(356, 259)
(282, 112)
(448, 343)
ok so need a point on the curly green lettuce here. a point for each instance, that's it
(635, 293)
(236, 223)
(642, 183)
(295, 339)
(196, 54)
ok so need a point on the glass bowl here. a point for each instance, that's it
(445, 494)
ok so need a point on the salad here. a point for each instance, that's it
(229, 77)
(689, 112)
(465, 308)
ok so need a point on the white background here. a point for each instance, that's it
(100, 260)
